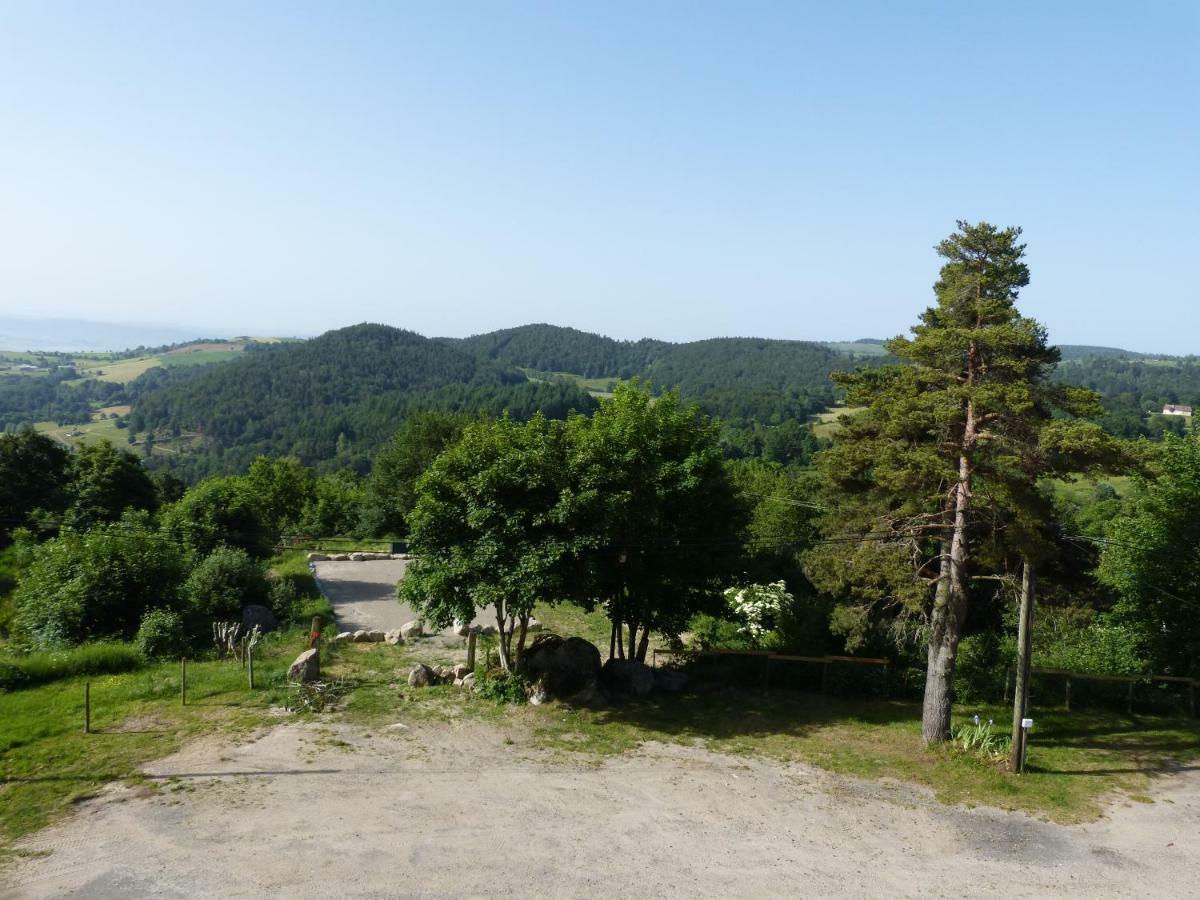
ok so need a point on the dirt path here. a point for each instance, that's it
(456, 811)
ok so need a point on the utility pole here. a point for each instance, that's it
(1024, 656)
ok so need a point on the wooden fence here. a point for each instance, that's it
(769, 657)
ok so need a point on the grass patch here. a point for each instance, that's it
(825, 424)
(47, 763)
(1077, 762)
(101, 658)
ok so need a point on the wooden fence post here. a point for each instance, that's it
(183, 680)
(1068, 695)
(87, 707)
(314, 635)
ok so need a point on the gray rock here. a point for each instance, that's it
(445, 674)
(564, 667)
(393, 637)
(318, 557)
(458, 682)
(672, 680)
(421, 676)
(357, 557)
(488, 629)
(375, 637)
(344, 636)
(624, 676)
(307, 667)
(462, 629)
(461, 671)
(360, 637)
(339, 557)
(468, 681)
(410, 630)
(254, 614)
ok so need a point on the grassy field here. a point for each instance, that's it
(1082, 491)
(824, 424)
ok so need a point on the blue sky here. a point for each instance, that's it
(673, 170)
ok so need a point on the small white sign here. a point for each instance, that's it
(1027, 723)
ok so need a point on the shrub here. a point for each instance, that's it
(161, 634)
(86, 586)
(223, 582)
(503, 687)
(981, 739)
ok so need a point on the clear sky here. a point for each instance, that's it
(672, 170)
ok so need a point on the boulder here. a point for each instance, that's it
(468, 681)
(393, 637)
(461, 671)
(445, 674)
(360, 637)
(339, 557)
(307, 667)
(488, 629)
(344, 636)
(564, 667)
(462, 629)
(375, 637)
(534, 625)
(318, 557)
(254, 614)
(624, 676)
(421, 676)
(672, 680)
(356, 557)
(410, 630)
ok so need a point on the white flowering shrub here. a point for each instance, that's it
(757, 607)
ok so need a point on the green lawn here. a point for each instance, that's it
(824, 424)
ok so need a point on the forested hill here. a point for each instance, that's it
(338, 396)
(552, 348)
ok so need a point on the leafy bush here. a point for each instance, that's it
(224, 581)
(757, 607)
(502, 687)
(161, 634)
(101, 658)
(98, 584)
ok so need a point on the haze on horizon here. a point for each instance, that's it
(677, 172)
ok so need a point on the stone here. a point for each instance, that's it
(564, 667)
(488, 629)
(625, 676)
(421, 676)
(254, 614)
(393, 637)
(469, 681)
(534, 625)
(667, 679)
(458, 682)
(307, 667)
(360, 637)
(461, 671)
(318, 557)
(357, 557)
(339, 557)
(411, 630)
(462, 629)
(445, 674)
(344, 636)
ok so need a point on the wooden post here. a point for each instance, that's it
(1024, 653)
(243, 653)
(87, 707)
(1129, 700)
(1068, 695)
(471, 639)
(183, 680)
(314, 636)
(250, 657)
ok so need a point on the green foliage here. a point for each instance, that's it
(491, 526)
(220, 511)
(501, 686)
(391, 489)
(1152, 560)
(97, 584)
(220, 585)
(758, 608)
(658, 516)
(161, 635)
(980, 737)
(103, 482)
(335, 507)
(33, 473)
(282, 488)
(96, 658)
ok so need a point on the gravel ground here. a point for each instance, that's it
(454, 810)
